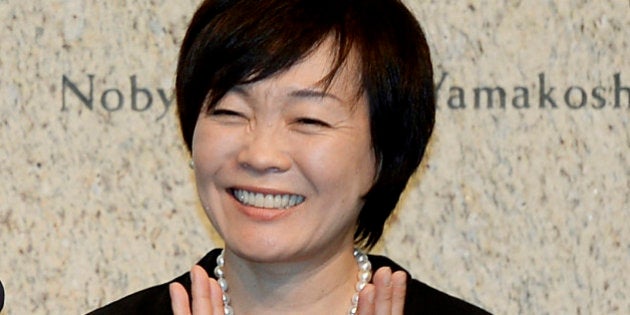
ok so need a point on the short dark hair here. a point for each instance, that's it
(232, 42)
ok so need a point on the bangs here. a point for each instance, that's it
(253, 40)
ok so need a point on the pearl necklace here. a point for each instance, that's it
(363, 278)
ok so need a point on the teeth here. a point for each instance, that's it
(267, 201)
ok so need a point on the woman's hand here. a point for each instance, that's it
(206, 295)
(385, 295)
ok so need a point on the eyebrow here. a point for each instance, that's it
(240, 90)
(299, 93)
(312, 93)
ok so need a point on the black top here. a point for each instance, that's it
(1, 296)
(420, 298)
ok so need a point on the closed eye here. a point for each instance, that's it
(224, 112)
(313, 122)
(228, 116)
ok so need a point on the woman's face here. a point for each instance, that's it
(281, 164)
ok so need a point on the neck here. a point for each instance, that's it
(322, 284)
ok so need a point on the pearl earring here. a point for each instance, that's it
(191, 164)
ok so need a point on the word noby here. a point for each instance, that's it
(138, 99)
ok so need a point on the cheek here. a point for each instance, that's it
(208, 144)
(366, 170)
(347, 167)
(197, 138)
(209, 154)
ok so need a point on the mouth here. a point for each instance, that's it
(266, 201)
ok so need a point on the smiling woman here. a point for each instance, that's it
(305, 120)
(263, 141)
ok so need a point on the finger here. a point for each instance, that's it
(179, 299)
(399, 289)
(216, 296)
(383, 294)
(201, 296)
(366, 301)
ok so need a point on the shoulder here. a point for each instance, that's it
(423, 299)
(154, 300)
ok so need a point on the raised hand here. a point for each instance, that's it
(206, 295)
(385, 295)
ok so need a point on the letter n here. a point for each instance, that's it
(88, 101)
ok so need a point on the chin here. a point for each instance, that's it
(261, 251)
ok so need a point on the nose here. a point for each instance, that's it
(264, 151)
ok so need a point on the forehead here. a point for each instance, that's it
(326, 68)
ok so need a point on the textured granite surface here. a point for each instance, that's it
(521, 206)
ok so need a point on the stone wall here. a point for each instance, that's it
(521, 206)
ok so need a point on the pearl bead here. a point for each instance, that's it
(365, 266)
(223, 284)
(361, 258)
(360, 286)
(364, 275)
(218, 271)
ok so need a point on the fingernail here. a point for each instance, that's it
(193, 275)
(402, 278)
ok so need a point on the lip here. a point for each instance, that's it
(261, 214)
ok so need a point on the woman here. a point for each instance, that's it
(305, 120)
